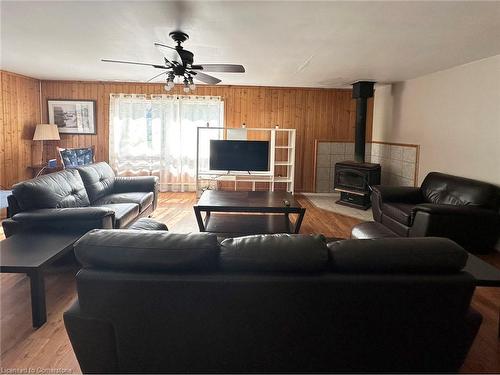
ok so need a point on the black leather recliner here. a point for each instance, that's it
(462, 209)
(162, 302)
(80, 199)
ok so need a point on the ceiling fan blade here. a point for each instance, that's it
(156, 76)
(170, 53)
(136, 63)
(205, 78)
(222, 68)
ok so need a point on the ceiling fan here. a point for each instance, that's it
(178, 62)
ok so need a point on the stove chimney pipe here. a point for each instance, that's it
(361, 91)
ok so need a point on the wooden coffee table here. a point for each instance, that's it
(248, 212)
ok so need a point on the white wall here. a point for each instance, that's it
(454, 115)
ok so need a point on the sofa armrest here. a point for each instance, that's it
(476, 229)
(63, 214)
(455, 210)
(383, 194)
(136, 184)
(144, 184)
(93, 341)
(79, 219)
(406, 194)
(10, 227)
(13, 206)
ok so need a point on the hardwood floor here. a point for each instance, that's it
(24, 348)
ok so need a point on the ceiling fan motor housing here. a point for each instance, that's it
(186, 56)
(179, 70)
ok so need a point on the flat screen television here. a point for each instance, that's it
(239, 155)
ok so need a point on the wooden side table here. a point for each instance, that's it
(37, 170)
(31, 253)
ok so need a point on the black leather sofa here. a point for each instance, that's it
(83, 198)
(464, 210)
(159, 302)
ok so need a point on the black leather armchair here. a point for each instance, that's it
(464, 210)
(159, 302)
(80, 199)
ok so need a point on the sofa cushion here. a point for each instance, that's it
(397, 255)
(144, 200)
(98, 179)
(401, 212)
(62, 189)
(442, 188)
(147, 250)
(125, 213)
(274, 253)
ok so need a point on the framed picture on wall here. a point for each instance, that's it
(72, 116)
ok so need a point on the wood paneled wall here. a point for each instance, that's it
(315, 113)
(19, 115)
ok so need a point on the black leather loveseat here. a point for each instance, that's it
(462, 209)
(154, 301)
(84, 198)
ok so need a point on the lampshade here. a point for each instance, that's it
(46, 132)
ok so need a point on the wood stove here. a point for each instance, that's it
(353, 179)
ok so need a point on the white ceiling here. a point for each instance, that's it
(325, 44)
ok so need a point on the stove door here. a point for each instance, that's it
(351, 179)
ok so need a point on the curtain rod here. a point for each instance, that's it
(156, 96)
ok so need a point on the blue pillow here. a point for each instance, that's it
(74, 157)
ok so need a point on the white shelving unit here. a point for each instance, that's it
(281, 162)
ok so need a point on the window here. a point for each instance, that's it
(157, 136)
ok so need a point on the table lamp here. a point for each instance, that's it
(43, 132)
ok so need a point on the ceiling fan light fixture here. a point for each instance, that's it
(186, 86)
(192, 86)
(170, 83)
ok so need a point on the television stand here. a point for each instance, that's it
(243, 180)
(281, 174)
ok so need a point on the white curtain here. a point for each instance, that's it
(157, 136)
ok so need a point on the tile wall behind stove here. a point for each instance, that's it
(399, 162)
